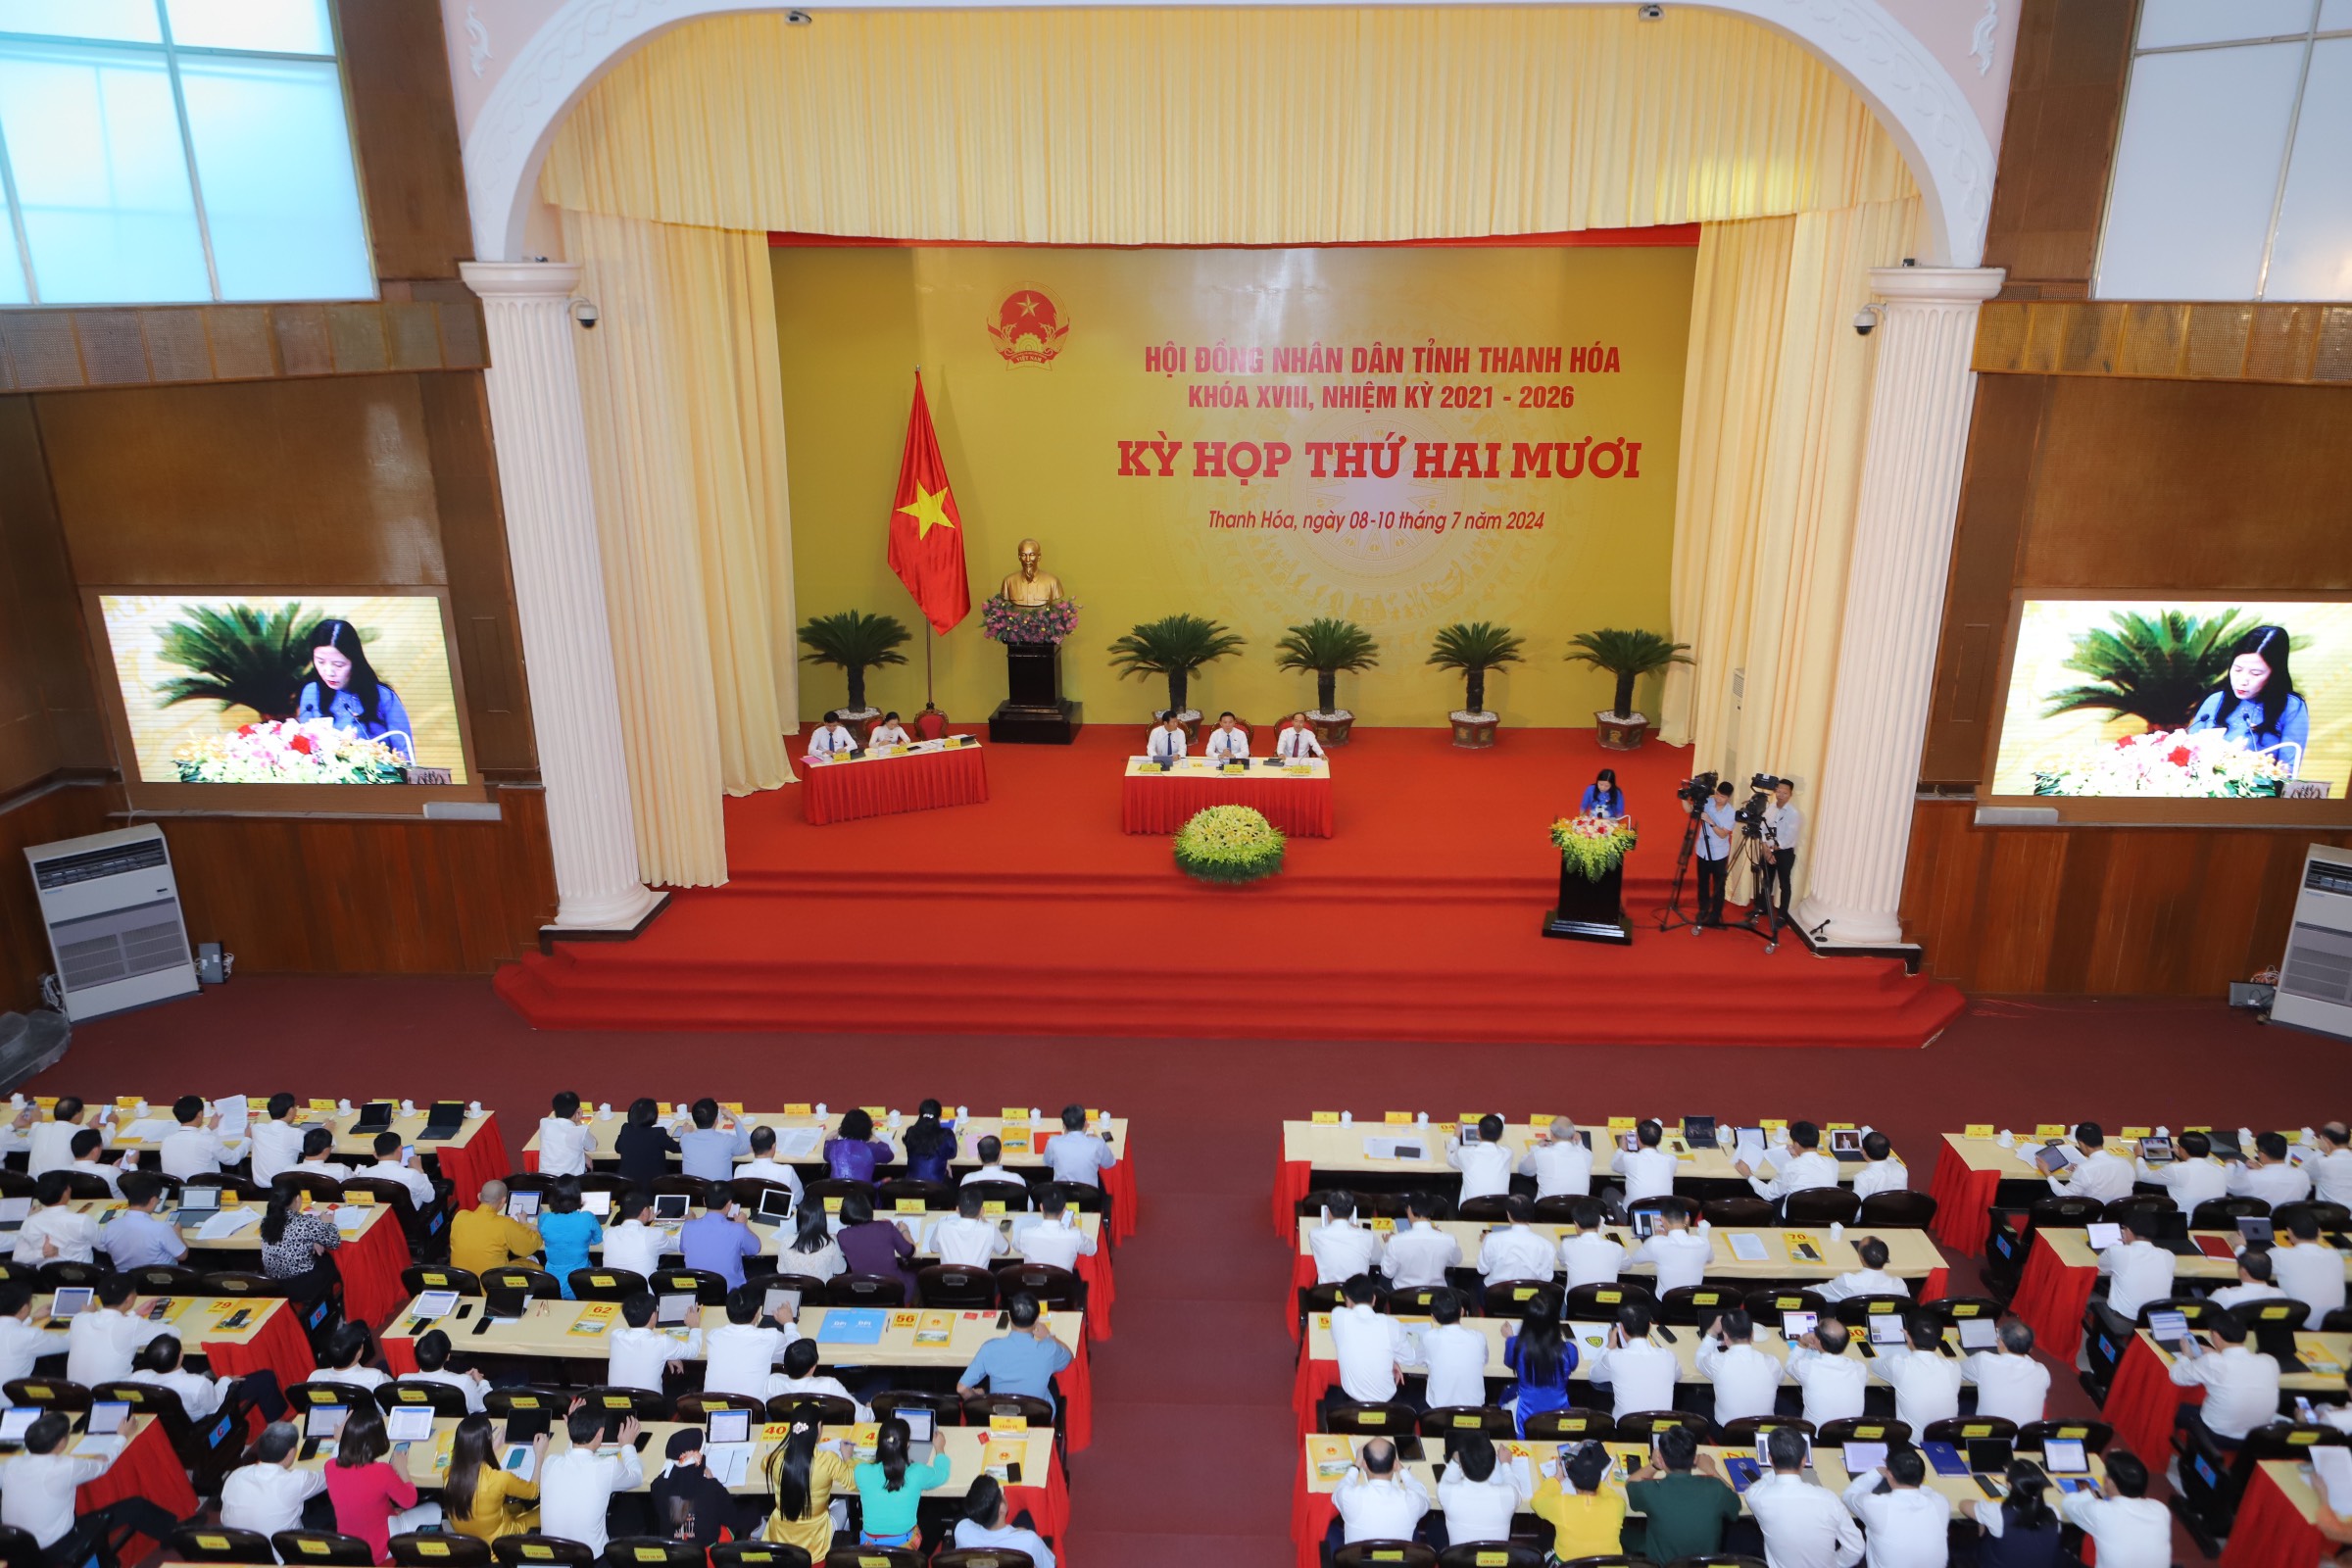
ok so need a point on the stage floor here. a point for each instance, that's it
(1419, 919)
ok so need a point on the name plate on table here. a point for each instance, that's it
(1977, 1129)
(2049, 1129)
(1397, 1118)
(1324, 1118)
(800, 1108)
(1622, 1124)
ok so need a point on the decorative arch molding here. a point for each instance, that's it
(1913, 95)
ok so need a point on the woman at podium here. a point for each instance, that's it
(1602, 797)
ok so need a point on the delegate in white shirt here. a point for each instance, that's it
(1383, 1509)
(2189, 1182)
(2128, 1532)
(1293, 744)
(2102, 1175)
(196, 1151)
(1513, 1254)
(1796, 1172)
(2138, 1273)
(738, 1357)
(1592, 1257)
(1164, 745)
(1342, 1250)
(564, 1146)
(1560, 1170)
(1419, 1254)
(1833, 1383)
(2272, 1184)
(1228, 745)
(1641, 1375)
(1805, 1526)
(1060, 1245)
(2015, 1388)
(576, 1486)
(2312, 1274)
(1456, 1357)
(1369, 1347)
(1746, 1380)
(100, 1344)
(1927, 1387)
(36, 1492)
(831, 738)
(76, 1234)
(276, 1149)
(968, 1243)
(1485, 1168)
(267, 1498)
(1480, 1510)
(1889, 1175)
(1680, 1257)
(1647, 1172)
(639, 1356)
(2242, 1389)
(1906, 1523)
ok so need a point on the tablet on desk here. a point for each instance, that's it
(2156, 1151)
(523, 1206)
(671, 1310)
(2254, 1228)
(2169, 1328)
(1863, 1457)
(1978, 1334)
(15, 1422)
(781, 1306)
(2051, 1158)
(1795, 1326)
(71, 1302)
(599, 1203)
(670, 1205)
(409, 1423)
(727, 1426)
(2064, 1457)
(1886, 1328)
(322, 1422)
(107, 1416)
(375, 1117)
(2102, 1235)
(1845, 1143)
(14, 1212)
(775, 1204)
(1700, 1132)
(435, 1303)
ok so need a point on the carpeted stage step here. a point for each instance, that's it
(1033, 913)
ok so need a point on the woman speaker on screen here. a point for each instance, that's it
(343, 687)
(2257, 703)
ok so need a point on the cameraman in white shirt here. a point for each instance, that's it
(1784, 831)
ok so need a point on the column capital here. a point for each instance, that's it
(1936, 285)
(521, 280)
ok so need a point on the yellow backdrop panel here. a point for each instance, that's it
(1441, 501)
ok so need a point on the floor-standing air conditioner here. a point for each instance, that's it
(113, 912)
(2314, 982)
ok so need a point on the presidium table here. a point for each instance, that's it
(886, 781)
(1296, 797)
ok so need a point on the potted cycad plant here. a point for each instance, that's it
(855, 642)
(1327, 645)
(1474, 647)
(1174, 647)
(241, 656)
(1628, 656)
(2155, 668)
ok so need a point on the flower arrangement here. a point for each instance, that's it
(288, 750)
(2176, 765)
(1594, 846)
(1229, 844)
(1009, 622)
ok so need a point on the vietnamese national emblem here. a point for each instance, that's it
(1029, 328)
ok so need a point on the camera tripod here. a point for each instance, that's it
(1764, 917)
(1672, 915)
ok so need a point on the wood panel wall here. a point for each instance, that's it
(309, 894)
(2110, 911)
(2066, 96)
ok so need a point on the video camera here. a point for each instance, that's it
(1751, 816)
(1693, 792)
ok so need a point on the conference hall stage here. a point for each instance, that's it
(1419, 919)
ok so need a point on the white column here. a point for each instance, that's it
(1920, 399)
(536, 423)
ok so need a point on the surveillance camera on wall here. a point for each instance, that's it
(1866, 319)
(586, 314)
(1650, 12)
(799, 19)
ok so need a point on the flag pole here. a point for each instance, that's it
(930, 635)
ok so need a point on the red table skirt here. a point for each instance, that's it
(279, 1347)
(1048, 1508)
(2142, 1400)
(2271, 1532)
(465, 1166)
(371, 1266)
(1311, 1514)
(838, 792)
(1125, 1206)
(1162, 803)
(1314, 1380)
(1291, 1182)
(2051, 1298)
(1095, 1268)
(1962, 1199)
(147, 1468)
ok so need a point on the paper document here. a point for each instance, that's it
(233, 1116)
(729, 1462)
(147, 1129)
(1748, 1146)
(1393, 1148)
(1748, 1246)
(349, 1219)
(2332, 1467)
(227, 1223)
(797, 1143)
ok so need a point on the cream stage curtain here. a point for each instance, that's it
(1776, 402)
(1307, 126)
(683, 396)
(1219, 127)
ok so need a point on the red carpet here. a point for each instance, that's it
(1418, 921)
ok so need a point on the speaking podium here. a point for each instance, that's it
(1589, 911)
(1033, 711)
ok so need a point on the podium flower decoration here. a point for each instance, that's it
(1009, 622)
(2203, 764)
(1593, 846)
(287, 751)
(1230, 844)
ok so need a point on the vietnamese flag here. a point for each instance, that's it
(926, 535)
